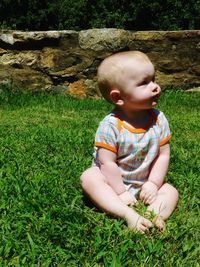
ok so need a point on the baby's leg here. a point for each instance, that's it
(94, 184)
(164, 204)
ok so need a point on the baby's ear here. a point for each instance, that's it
(115, 97)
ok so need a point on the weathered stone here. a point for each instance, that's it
(146, 36)
(60, 63)
(195, 89)
(92, 88)
(180, 79)
(91, 71)
(103, 39)
(11, 37)
(77, 89)
(83, 88)
(57, 89)
(69, 40)
(74, 65)
(163, 35)
(19, 59)
(67, 61)
(27, 78)
(195, 69)
(48, 58)
(2, 51)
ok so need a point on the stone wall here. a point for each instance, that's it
(66, 61)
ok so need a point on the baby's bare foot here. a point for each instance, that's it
(159, 223)
(128, 199)
(156, 219)
(137, 222)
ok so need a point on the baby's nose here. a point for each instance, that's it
(155, 87)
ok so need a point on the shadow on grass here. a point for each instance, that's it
(91, 205)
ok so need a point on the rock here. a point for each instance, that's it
(179, 79)
(67, 61)
(92, 89)
(27, 79)
(77, 89)
(20, 59)
(12, 37)
(195, 89)
(103, 39)
(83, 88)
(48, 58)
(60, 63)
(195, 69)
(2, 51)
(57, 89)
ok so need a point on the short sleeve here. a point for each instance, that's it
(106, 136)
(165, 134)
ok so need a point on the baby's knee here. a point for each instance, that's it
(171, 190)
(87, 178)
(175, 193)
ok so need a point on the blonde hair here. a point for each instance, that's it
(109, 70)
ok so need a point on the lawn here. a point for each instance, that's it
(46, 142)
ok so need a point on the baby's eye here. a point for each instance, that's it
(143, 83)
(146, 81)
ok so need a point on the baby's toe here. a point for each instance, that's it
(147, 223)
(159, 223)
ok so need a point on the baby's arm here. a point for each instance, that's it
(111, 171)
(156, 177)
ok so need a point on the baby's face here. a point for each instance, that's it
(138, 88)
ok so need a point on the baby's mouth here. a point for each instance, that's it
(156, 98)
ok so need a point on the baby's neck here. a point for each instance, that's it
(137, 118)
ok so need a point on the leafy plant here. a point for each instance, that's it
(84, 14)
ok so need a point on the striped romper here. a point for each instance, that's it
(136, 148)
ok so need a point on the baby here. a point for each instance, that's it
(132, 149)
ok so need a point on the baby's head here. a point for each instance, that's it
(124, 71)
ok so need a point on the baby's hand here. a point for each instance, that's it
(127, 198)
(149, 192)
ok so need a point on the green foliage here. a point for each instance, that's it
(46, 141)
(73, 14)
(84, 14)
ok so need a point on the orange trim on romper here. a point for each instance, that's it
(132, 129)
(103, 145)
(165, 140)
(121, 123)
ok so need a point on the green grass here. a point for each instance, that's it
(46, 142)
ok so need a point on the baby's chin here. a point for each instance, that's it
(155, 102)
